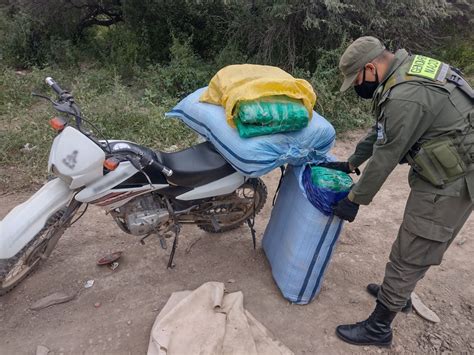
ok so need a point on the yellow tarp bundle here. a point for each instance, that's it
(247, 82)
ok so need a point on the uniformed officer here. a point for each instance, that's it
(425, 117)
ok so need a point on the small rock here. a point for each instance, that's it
(454, 312)
(471, 345)
(461, 242)
(42, 350)
(231, 281)
(89, 284)
(97, 304)
(379, 351)
(55, 298)
(366, 348)
(129, 322)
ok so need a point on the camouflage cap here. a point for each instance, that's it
(359, 53)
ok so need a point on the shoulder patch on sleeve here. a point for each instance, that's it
(425, 67)
(381, 135)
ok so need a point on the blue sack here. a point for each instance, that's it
(255, 156)
(299, 240)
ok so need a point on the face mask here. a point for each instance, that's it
(367, 88)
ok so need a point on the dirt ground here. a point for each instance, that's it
(131, 296)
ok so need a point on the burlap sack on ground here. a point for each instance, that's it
(209, 321)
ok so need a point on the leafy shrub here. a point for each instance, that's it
(460, 53)
(184, 74)
(118, 48)
(22, 44)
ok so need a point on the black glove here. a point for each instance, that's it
(346, 209)
(341, 166)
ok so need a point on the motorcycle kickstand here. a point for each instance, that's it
(173, 249)
(251, 224)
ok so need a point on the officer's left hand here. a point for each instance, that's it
(346, 209)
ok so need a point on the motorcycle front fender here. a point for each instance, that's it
(21, 225)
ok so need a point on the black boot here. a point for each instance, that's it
(375, 330)
(373, 289)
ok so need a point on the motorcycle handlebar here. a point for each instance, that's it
(145, 160)
(54, 85)
(164, 169)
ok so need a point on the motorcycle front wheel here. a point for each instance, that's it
(247, 201)
(13, 271)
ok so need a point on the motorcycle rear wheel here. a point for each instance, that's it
(252, 194)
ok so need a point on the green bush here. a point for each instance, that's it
(22, 44)
(116, 47)
(182, 75)
(459, 53)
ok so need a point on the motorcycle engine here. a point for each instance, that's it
(142, 215)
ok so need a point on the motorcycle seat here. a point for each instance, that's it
(195, 166)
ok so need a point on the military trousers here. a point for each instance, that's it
(430, 224)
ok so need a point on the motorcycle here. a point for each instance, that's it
(146, 192)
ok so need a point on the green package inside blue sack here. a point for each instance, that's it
(334, 180)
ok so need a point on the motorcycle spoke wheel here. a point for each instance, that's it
(29, 258)
(238, 208)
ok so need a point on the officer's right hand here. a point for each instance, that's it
(346, 209)
(343, 166)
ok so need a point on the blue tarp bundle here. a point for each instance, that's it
(255, 156)
(299, 240)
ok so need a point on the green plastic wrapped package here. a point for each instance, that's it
(252, 130)
(270, 115)
(325, 187)
(331, 179)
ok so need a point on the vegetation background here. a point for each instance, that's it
(129, 61)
